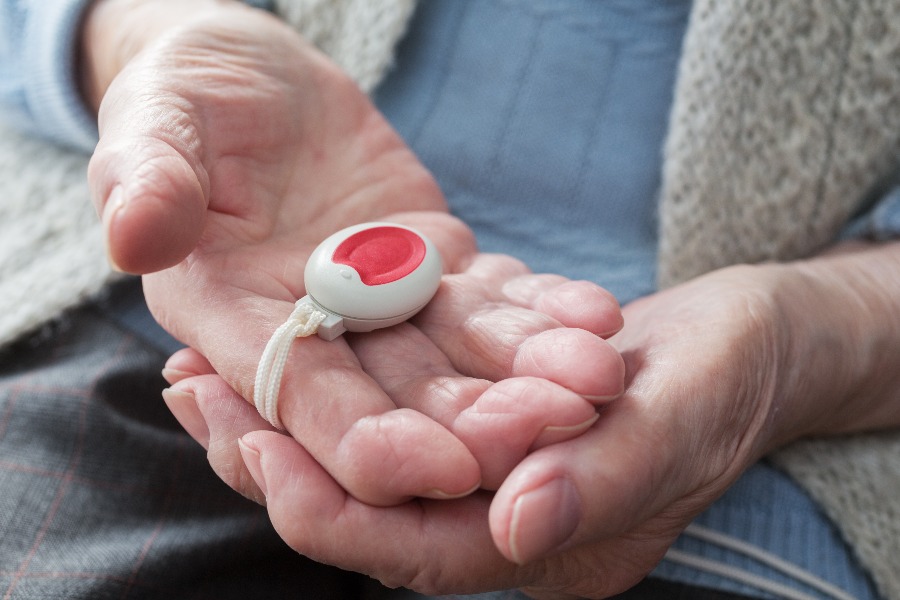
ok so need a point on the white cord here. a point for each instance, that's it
(767, 558)
(736, 574)
(303, 322)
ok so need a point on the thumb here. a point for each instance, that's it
(611, 482)
(148, 183)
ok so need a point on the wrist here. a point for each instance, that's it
(841, 340)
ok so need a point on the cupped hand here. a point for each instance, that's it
(229, 149)
(589, 516)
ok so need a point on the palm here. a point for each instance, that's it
(284, 148)
(240, 148)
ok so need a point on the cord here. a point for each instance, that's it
(736, 574)
(759, 555)
(303, 322)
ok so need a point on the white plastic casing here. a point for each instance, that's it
(371, 276)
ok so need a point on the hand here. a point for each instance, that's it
(229, 149)
(588, 516)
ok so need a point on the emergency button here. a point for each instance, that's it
(381, 254)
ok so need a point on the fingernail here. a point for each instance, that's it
(252, 459)
(184, 406)
(595, 399)
(543, 519)
(114, 204)
(572, 428)
(553, 434)
(437, 494)
(173, 376)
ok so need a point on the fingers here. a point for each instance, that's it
(185, 363)
(516, 416)
(550, 384)
(314, 514)
(579, 304)
(146, 176)
(432, 547)
(625, 474)
(498, 422)
(216, 417)
(548, 377)
(575, 359)
(395, 545)
(488, 322)
(380, 454)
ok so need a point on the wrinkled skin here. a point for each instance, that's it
(605, 505)
(229, 149)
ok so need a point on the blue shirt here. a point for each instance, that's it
(38, 75)
(544, 124)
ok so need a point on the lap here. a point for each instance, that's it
(103, 495)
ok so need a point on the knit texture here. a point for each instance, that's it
(856, 481)
(785, 119)
(52, 255)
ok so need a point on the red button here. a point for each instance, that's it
(382, 254)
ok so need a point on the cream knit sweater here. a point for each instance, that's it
(786, 118)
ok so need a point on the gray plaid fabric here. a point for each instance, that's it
(103, 496)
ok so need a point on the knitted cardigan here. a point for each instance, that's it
(785, 123)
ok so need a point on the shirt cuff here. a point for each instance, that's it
(51, 88)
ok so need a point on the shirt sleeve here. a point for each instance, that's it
(38, 82)
(39, 91)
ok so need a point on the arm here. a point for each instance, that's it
(849, 345)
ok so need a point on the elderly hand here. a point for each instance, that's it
(229, 149)
(589, 516)
(720, 370)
